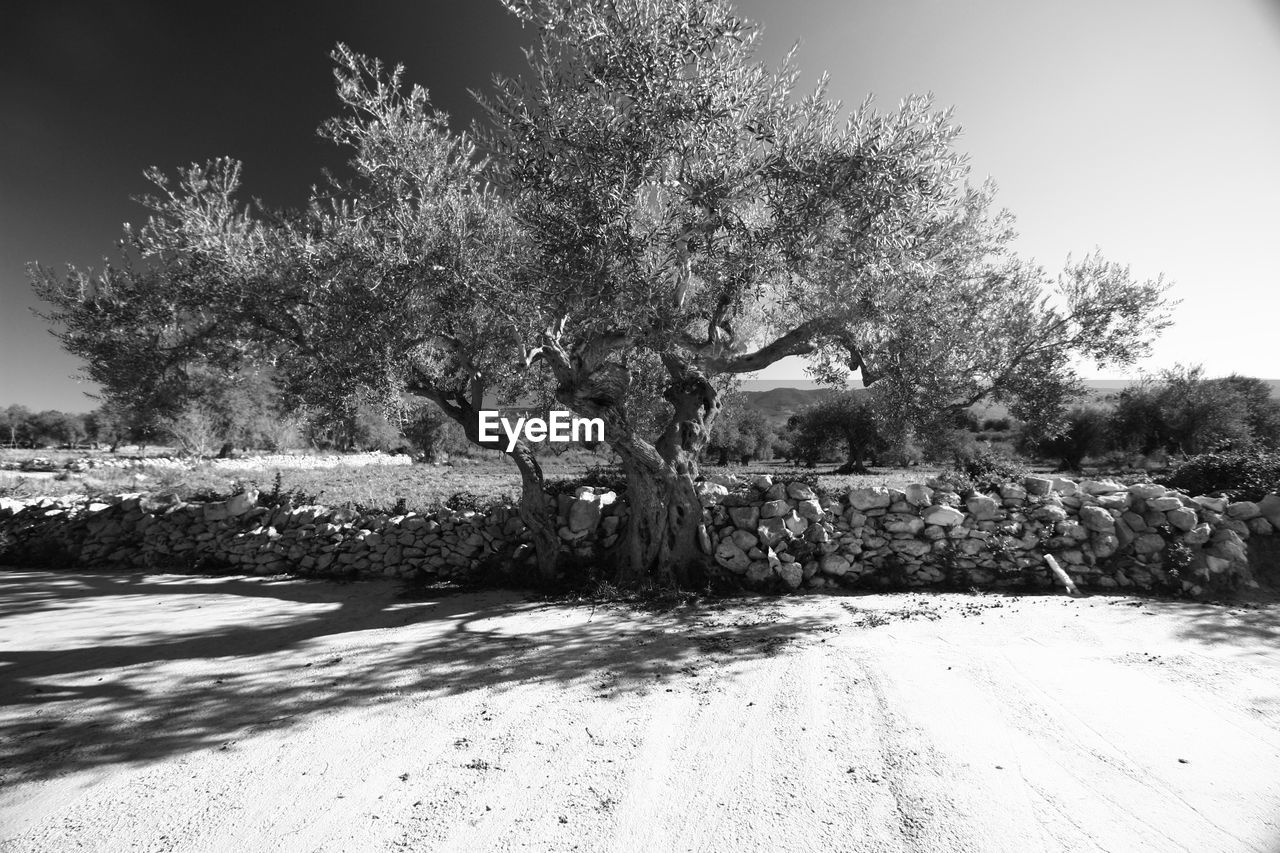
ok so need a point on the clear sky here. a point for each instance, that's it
(1147, 128)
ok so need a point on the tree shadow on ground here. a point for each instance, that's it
(1248, 619)
(28, 592)
(1227, 624)
(179, 681)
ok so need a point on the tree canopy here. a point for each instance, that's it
(646, 210)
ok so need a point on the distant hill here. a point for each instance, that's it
(778, 404)
(779, 400)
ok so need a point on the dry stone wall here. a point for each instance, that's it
(186, 463)
(1103, 534)
(237, 534)
(760, 534)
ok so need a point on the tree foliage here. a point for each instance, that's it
(398, 277)
(1239, 475)
(681, 200)
(646, 211)
(846, 421)
(741, 433)
(1182, 411)
(1088, 430)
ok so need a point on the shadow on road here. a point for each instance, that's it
(164, 685)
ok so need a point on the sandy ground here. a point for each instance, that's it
(160, 712)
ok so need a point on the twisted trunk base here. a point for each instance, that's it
(660, 545)
(535, 514)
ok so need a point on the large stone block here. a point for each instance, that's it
(809, 509)
(1213, 504)
(1065, 487)
(792, 574)
(1013, 492)
(584, 515)
(1148, 543)
(238, 505)
(911, 547)
(1119, 500)
(710, 493)
(795, 524)
(745, 517)
(732, 557)
(1105, 544)
(984, 508)
(1182, 518)
(1269, 508)
(1243, 510)
(1147, 491)
(903, 523)
(800, 491)
(834, 564)
(817, 534)
(1039, 486)
(1261, 527)
(1097, 519)
(1124, 532)
(775, 508)
(943, 516)
(1198, 535)
(1049, 513)
(772, 530)
(1135, 521)
(776, 492)
(870, 497)
(855, 519)
(918, 494)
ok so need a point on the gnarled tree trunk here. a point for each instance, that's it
(857, 452)
(660, 544)
(535, 513)
(538, 518)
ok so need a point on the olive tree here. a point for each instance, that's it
(1183, 411)
(846, 418)
(740, 432)
(646, 212)
(684, 203)
(396, 279)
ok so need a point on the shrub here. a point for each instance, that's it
(431, 433)
(294, 496)
(600, 476)
(1239, 476)
(957, 481)
(988, 471)
(195, 430)
(1086, 432)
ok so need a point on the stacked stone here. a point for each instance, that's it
(773, 531)
(167, 534)
(1104, 535)
(279, 460)
(26, 525)
(1137, 526)
(589, 518)
(764, 534)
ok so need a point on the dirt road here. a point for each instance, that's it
(158, 712)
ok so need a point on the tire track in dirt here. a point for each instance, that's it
(804, 724)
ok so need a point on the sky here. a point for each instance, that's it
(1147, 129)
